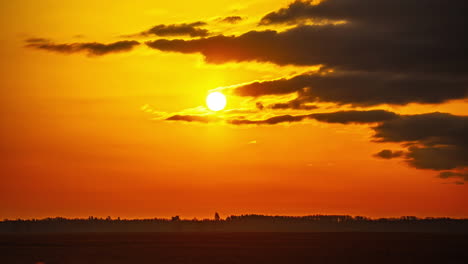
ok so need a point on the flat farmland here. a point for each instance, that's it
(145, 248)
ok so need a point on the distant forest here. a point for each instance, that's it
(242, 223)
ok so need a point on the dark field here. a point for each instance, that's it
(141, 248)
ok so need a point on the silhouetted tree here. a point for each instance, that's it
(253, 222)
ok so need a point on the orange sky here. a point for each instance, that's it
(83, 136)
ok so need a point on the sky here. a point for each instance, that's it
(333, 107)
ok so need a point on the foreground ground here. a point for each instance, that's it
(142, 248)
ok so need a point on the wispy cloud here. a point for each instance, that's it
(90, 48)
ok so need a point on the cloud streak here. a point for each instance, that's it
(341, 117)
(90, 48)
(184, 29)
(194, 118)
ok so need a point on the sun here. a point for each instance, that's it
(216, 101)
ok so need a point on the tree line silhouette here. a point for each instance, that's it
(241, 223)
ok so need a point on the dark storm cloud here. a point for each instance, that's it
(386, 35)
(193, 118)
(345, 47)
(91, 48)
(432, 129)
(232, 19)
(436, 141)
(342, 117)
(192, 30)
(388, 13)
(364, 89)
(389, 154)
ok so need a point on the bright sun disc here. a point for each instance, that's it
(216, 101)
